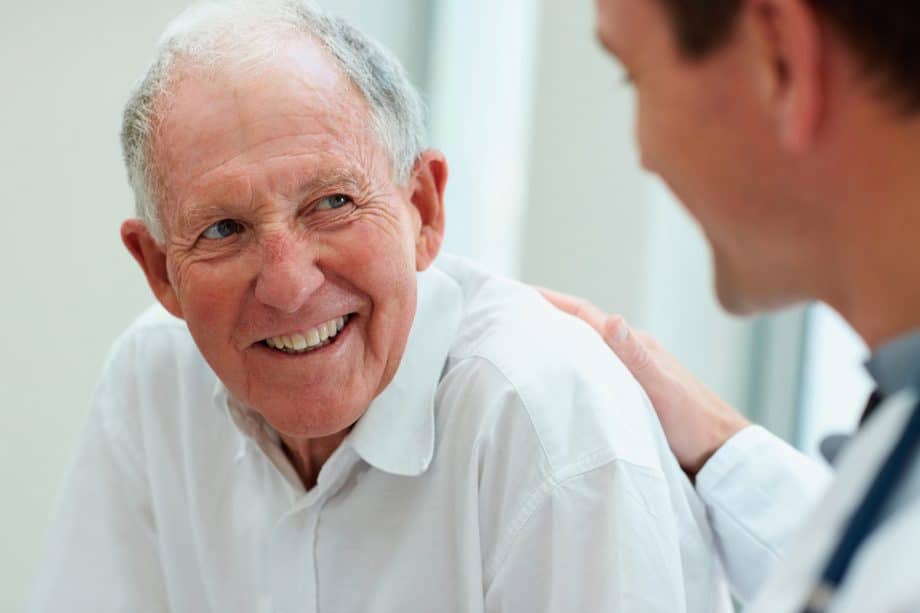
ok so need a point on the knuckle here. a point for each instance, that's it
(647, 340)
(613, 326)
(641, 360)
(615, 322)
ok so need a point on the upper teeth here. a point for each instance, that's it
(310, 339)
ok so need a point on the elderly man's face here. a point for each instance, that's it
(283, 223)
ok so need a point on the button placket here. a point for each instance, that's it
(293, 559)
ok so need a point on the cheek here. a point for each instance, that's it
(645, 138)
(382, 264)
(679, 131)
(657, 134)
(380, 242)
(211, 296)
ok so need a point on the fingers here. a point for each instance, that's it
(695, 420)
(615, 330)
(580, 308)
(629, 347)
(563, 302)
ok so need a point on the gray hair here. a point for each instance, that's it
(209, 33)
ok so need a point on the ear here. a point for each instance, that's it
(429, 178)
(791, 60)
(151, 257)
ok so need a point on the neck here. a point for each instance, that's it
(308, 455)
(876, 256)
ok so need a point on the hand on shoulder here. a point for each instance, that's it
(695, 420)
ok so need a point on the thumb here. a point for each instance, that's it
(629, 348)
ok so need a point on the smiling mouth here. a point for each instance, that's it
(310, 340)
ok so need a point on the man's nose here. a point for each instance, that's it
(289, 274)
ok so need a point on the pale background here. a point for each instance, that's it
(545, 187)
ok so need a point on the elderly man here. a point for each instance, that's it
(318, 425)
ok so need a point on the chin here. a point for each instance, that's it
(732, 292)
(747, 296)
(303, 422)
(734, 302)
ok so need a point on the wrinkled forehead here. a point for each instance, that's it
(296, 101)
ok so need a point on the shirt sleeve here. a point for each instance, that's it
(101, 547)
(601, 541)
(758, 490)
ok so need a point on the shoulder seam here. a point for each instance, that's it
(505, 544)
(519, 396)
(543, 492)
(586, 461)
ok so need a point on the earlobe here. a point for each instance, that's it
(428, 184)
(151, 257)
(792, 56)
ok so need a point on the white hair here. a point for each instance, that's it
(210, 33)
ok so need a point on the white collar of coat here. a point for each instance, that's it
(397, 432)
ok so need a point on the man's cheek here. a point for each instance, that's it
(647, 155)
(368, 246)
(644, 141)
(211, 304)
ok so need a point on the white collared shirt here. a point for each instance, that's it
(758, 492)
(513, 465)
(777, 513)
(884, 576)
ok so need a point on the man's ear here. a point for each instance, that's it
(152, 259)
(429, 178)
(792, 65)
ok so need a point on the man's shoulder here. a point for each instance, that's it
(154, 364)
(555, 372)
(154, 324)
(154, 344)
(155, 316)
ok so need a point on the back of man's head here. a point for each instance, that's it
(885, 35)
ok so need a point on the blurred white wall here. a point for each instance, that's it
(837, 384)
(587, 224)
(68, 285)
(481, 107)
(598, 226)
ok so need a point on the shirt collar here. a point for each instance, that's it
(396, 434)
(896, 364)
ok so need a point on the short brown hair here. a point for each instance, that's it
(884, 33)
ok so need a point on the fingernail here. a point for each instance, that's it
(622, 332)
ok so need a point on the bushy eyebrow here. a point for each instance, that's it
(343, 178)
(190, 218)
(340, 177)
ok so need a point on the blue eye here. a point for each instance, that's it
(333, 202)
(222, 229)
